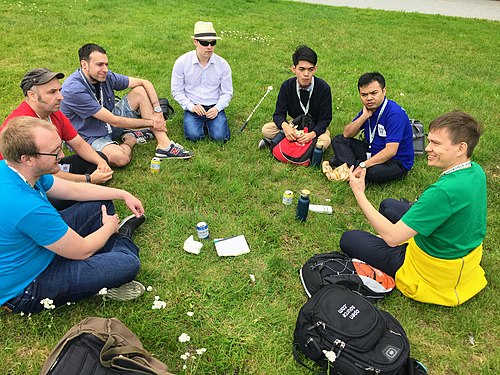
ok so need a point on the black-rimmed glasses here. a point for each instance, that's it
(56, 155)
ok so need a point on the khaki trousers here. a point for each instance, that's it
(270, 129)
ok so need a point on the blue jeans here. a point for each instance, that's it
(67, 280)
(194, 126)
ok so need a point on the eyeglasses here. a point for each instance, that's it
(206, 43)
(56, 155)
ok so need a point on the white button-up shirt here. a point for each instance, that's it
(194, 84)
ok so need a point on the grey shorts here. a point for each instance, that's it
(101, 142)
(122, 108)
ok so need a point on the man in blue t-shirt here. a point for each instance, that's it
(89, 103)
(386, 152)
(59, 257)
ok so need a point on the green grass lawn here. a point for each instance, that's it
(432, 65)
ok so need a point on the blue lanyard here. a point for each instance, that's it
(373, 131)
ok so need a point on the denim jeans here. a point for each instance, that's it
(77, 165)
(66, 280)
(194, 127)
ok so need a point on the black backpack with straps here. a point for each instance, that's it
(358, 338)
(354, 274)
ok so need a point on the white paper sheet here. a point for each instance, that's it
(232, 246)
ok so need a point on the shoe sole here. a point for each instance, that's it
(127, 291)
(164, 157)
(125, 220)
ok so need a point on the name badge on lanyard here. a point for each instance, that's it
(306, 108)
(108, 127)
(373, 130)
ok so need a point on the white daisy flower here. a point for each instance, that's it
(184, 337)
(330, 355)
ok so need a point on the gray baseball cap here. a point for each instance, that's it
(38, 76)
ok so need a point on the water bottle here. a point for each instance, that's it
(317, 156)
(303, 205)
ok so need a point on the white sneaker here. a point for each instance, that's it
(127, 291)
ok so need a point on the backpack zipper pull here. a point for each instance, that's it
(340, 346)
(318, 323)
(317, 265)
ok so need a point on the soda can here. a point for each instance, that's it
(288, 197)
(155, 165)
(202, 229)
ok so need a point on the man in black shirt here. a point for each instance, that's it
(301, 95)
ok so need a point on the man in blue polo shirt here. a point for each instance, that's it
(89, 103)
(387, 149)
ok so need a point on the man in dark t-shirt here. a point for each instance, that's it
(303, 94)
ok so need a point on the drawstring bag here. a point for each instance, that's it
(294, 152)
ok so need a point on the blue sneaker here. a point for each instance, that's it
(174, 151)
(142, 136)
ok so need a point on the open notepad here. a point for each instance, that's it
(232, 246)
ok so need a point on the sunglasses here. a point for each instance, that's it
(206, 43)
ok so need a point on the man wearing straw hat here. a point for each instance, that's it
(203, 87)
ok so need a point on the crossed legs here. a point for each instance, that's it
(66, 280)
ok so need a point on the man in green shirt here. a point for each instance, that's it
(433, 246)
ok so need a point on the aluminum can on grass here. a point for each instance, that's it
(155, 165)
(287, 197)
(202, 230)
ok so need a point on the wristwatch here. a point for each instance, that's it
(157, 109)
(362, 165)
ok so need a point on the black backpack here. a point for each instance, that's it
(166, 108)
(339, 268)
(364, 339)
(418, 137)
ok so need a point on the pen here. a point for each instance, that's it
(223, 239)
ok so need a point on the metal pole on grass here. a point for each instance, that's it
(257, 106)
